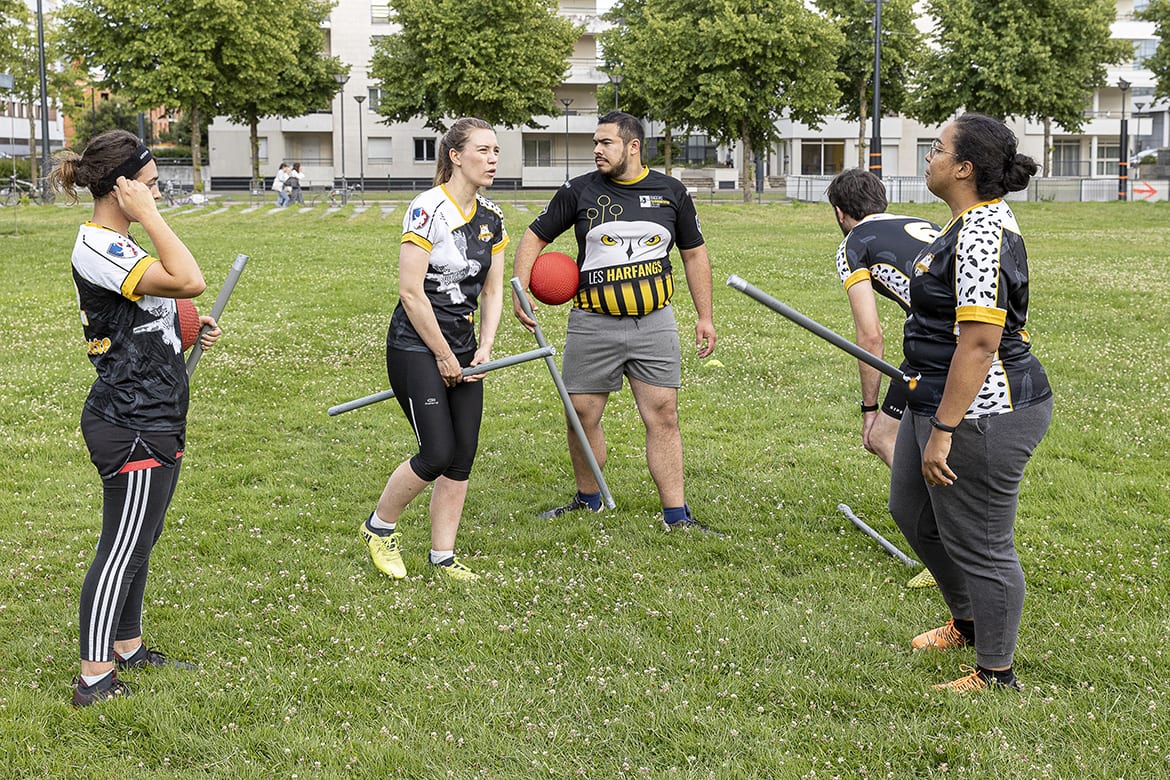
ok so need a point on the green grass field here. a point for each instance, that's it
(593, 647)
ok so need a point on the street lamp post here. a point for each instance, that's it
(361, 144)
(44, 105)
(566, 102)
(616, 79)
(1123, 154)
(875, 142)
(1138, 107)
(341, 78)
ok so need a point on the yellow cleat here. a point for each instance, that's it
(453, 569)
(942, 638)
(385, 552)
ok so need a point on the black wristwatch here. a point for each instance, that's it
(942, 426)
(868, 407)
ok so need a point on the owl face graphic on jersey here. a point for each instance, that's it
(624, 243)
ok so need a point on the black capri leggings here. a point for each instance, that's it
(445, 419)
(139, 473)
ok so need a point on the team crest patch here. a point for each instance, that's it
(485, 235)
(419, 218)
(123, 248)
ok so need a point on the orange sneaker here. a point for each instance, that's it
(942, 638)
(977, 680)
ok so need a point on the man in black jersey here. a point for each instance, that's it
(875, 257)
(626, 218)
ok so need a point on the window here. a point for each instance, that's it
(537, 152)
(1066, 158)
(380, 150)
(1143, 51)
(379, 12)
(375, 98)
(262, 143)
(424, 150)
(822, 158)
(920, 149)
(1108, 157)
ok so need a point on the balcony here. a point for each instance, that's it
(309, 123)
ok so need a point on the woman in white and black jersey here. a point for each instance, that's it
(982, 404)
(134, 419)
(450, 269)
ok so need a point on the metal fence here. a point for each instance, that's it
(913, 189)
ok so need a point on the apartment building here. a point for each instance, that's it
(351, 141)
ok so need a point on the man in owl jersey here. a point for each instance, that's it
(626, 219)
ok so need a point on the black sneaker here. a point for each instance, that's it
(576, 505)
(144, 657)
(691, 524)
(109, 687)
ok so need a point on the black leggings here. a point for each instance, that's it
(139, 473)
(445, 419)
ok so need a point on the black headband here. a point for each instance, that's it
(131, 166)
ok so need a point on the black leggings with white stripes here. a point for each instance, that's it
(139, 473)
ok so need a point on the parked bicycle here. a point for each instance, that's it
(176, 195)
(18, 191)
(340, 196)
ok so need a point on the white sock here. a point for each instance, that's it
(127, 656)
(379, 523)
(438, 556)
(91, 680)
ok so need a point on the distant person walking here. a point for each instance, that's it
(279, 183)
(294, 184)
(450, 266)
(983, 402)
(135, 417)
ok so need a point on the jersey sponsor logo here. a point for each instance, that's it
(419, 218)
(485, 235)
(921, 231)
(123, 248)
(98, 346)
(652, 201)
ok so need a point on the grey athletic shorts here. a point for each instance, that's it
(601, 348)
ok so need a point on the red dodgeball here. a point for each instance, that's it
(554, 278)
(188, 322)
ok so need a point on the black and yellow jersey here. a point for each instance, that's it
(625, 231)
(882, 248)
(132, 340)
(975, 271)
(460, 248)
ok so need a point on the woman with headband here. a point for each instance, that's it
(134, 419)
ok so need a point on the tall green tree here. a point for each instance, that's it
(205, 57)
(734, 67)
(902, 52)
(649, 88)
(22, 49)
(298, 78)
(1158, 12)
(503, 67)
(1032, 59)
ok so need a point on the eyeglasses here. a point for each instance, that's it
(935, 149)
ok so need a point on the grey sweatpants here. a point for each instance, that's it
(964, 532)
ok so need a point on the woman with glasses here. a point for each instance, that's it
(982, 405)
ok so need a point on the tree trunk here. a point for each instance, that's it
(747, 172)
(668, 138)
(196, 157)
(254, 140)
(861, 145)
(1047, 146)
